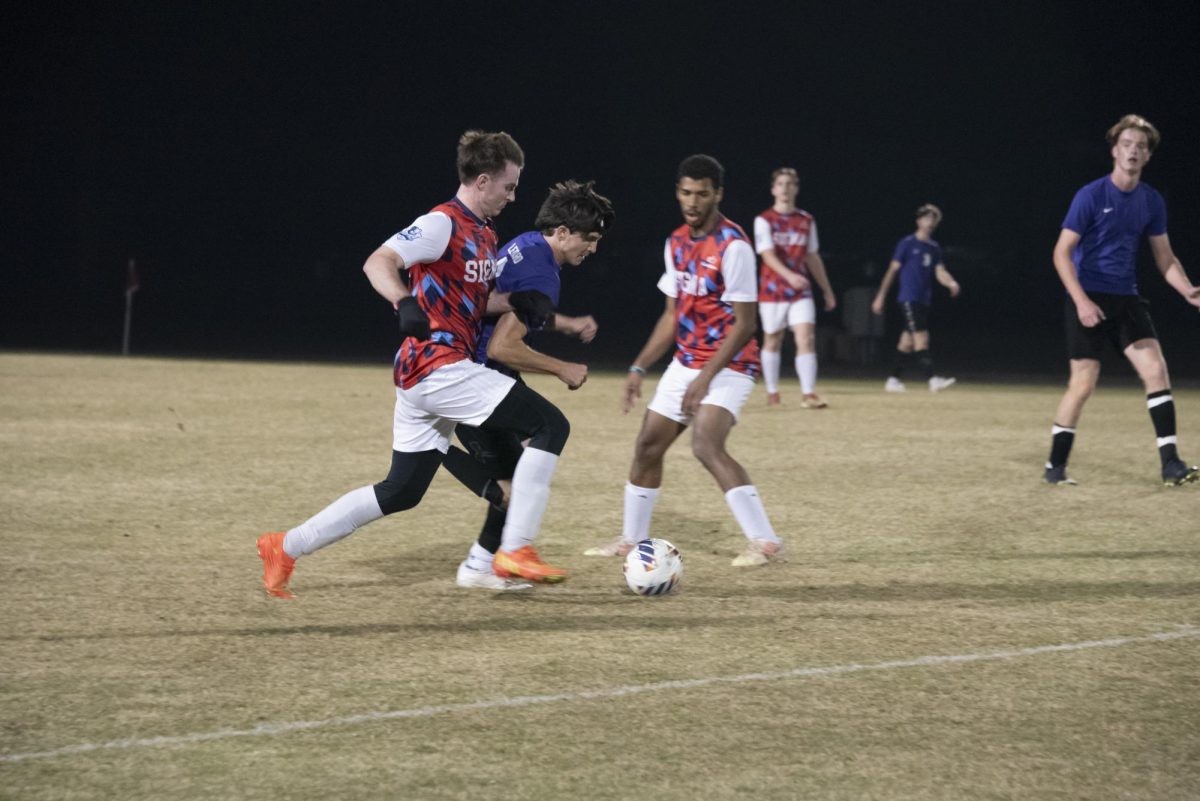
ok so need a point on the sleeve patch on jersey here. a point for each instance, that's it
(515, 252)
(411, 233)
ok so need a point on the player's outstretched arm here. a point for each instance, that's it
(507, 345)
(661, 338)
(884, 286)
(1172, 270)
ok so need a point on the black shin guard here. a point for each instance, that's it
(493, 528)
(1162, 415)
(925, 362)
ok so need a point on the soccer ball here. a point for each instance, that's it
(653, 567)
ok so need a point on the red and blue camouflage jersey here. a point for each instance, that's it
(792, 236)
(706, 276)
(451, 289)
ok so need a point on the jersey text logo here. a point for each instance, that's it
(479, 271)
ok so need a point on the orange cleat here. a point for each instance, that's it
(277, 565)
(773, 399)
(525, 563)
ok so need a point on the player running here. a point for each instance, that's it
(450, 257)
(569, 227)
(917, 260)
(785, 238)
(709, 316)
(1095, 257)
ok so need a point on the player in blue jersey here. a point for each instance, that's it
(569, 226)
(917, 260)
(1095, 258)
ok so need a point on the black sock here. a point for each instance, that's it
(903, 359)
(493, 527)
(1061, 440)
(1162, 414)
(925, 362)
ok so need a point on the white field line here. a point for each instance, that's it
(589, 695)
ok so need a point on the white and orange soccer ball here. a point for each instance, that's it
(653, 567)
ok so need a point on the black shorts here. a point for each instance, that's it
(1126, 320)
(915, 316)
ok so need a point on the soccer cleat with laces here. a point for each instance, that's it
(938, 383)
(759, 552)
(473, 579)
(618, 547)
(894, 384)
(277, 565)
(1176, 473)
(1058, 476)
(812, 400)
(525, 563)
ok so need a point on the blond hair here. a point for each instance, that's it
(1134, 121)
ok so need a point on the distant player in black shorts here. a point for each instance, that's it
(917, 261)
(1095, 259)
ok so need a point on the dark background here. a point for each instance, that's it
(250, 156)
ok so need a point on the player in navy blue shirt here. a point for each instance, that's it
(569, 226)
(917, 261)
(1096, 260)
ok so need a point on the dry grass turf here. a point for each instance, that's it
(139, 658)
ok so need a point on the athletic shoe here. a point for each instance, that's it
(1176, 473)
(894, 384)
(525, 563)
(277, 565)
(812, 400)
(618, 547)
(773, 399)
(473, 579)
(1058, 476)
(759, 552)
(938, 383)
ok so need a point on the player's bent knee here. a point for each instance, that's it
(533, 418)
(407, 480)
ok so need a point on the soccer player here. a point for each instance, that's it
(917, 260)
(569, 227)
(450, 257)
(785, 238)
(709, 317)
(1095, 260)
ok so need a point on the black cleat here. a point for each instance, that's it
(1058, 476)
(1176, 473)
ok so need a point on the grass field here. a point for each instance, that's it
(947, 628)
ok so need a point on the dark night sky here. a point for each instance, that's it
(250, 156)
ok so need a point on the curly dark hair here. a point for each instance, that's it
(578, 207)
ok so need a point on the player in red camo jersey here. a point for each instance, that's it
(709, 317)
(785, 238)
(450, 257)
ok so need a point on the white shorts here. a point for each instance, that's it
(463, 392)
(728, 389)
(775, 316)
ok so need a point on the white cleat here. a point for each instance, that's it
(618, 547)
(894, 384)
(938, 383)
(760, 552)
(487, 580)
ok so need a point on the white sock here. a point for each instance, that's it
(338, 519)
(478, 558)
(806, 368)
(770, 364)
(639, 506)
(751, 516)
(530, 494)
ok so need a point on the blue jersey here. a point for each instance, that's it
(1110, 224)
(526, 262)
(917, 259)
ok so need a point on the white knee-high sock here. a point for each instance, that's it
(639, 506)
(478, 557)
(530, 494)
(338, 519)
(748, 510)
(806, 368)
(771, 360)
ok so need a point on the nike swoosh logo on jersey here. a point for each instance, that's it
(1106, 211)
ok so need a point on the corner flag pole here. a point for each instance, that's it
(131, 286)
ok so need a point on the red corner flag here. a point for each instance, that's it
(131, 278)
